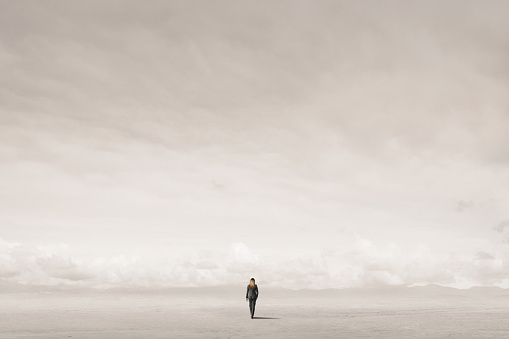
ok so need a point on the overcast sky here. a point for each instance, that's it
(305, 143)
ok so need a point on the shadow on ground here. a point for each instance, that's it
(264, 318)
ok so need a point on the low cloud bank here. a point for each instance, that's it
(363, 264)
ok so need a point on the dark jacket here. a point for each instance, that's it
(252, 293)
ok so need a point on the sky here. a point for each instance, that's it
(308, 144)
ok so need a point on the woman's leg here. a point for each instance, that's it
(251, 306)
(254, 304)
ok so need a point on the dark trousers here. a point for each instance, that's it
(252, 304)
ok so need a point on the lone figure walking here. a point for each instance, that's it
(252, 295)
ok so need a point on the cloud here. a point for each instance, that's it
(487, 270)
(141, 129)
(464, 205)
(501, 226)
(206, 265)
(62, 268)
(483, 256)
(39, 265)
(391, 265)
(362, 264)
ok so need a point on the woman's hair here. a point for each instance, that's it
(252, 282)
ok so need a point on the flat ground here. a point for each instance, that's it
(185, 314)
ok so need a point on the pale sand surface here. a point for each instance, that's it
(192, 315)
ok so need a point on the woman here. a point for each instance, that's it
(252, 295)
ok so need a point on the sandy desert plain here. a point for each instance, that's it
(222, 312)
